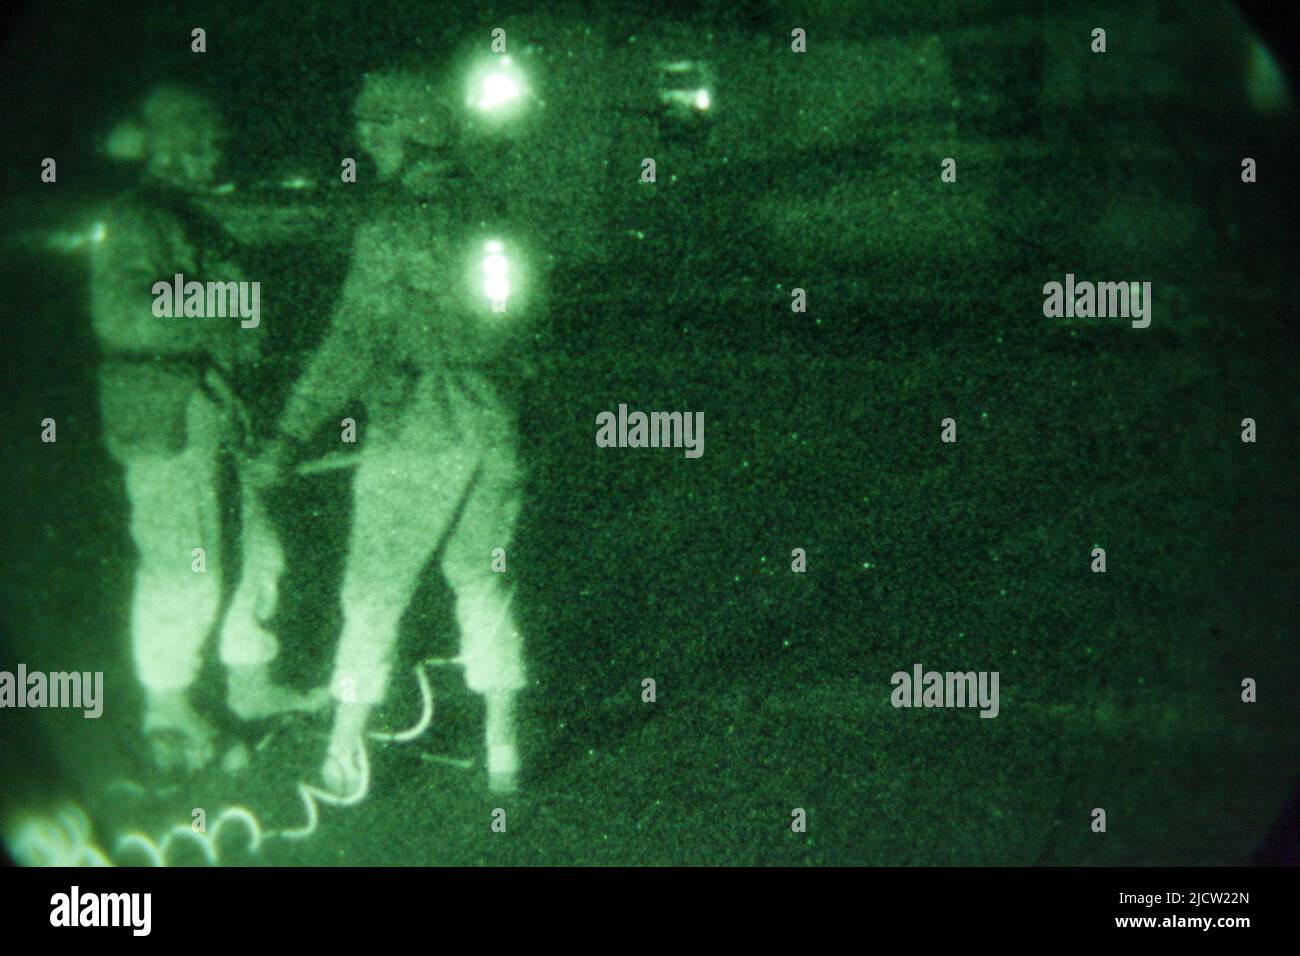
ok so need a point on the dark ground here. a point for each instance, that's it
(1119, 691)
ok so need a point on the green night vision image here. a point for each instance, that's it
(359, 360)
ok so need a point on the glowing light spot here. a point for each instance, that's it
(499, 86)
(698, 99)
(497, 89)
(496, 266)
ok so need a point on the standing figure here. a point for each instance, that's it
(168, 411)
(415, 339)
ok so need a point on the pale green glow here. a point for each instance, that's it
(699, 99)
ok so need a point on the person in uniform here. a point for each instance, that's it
(168, 412)
(423, 335)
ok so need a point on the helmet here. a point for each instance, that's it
(410, 101)
(178, 134)
(399, 109)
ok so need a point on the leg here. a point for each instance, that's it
(174, 510)
(406, 489)
(491, 644)
(247, 647)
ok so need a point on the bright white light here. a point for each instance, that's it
(500, 85)
(495, 266)
(702, 100)
(497, 90)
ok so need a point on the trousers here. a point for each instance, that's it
(441, 472)
(175, 509)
